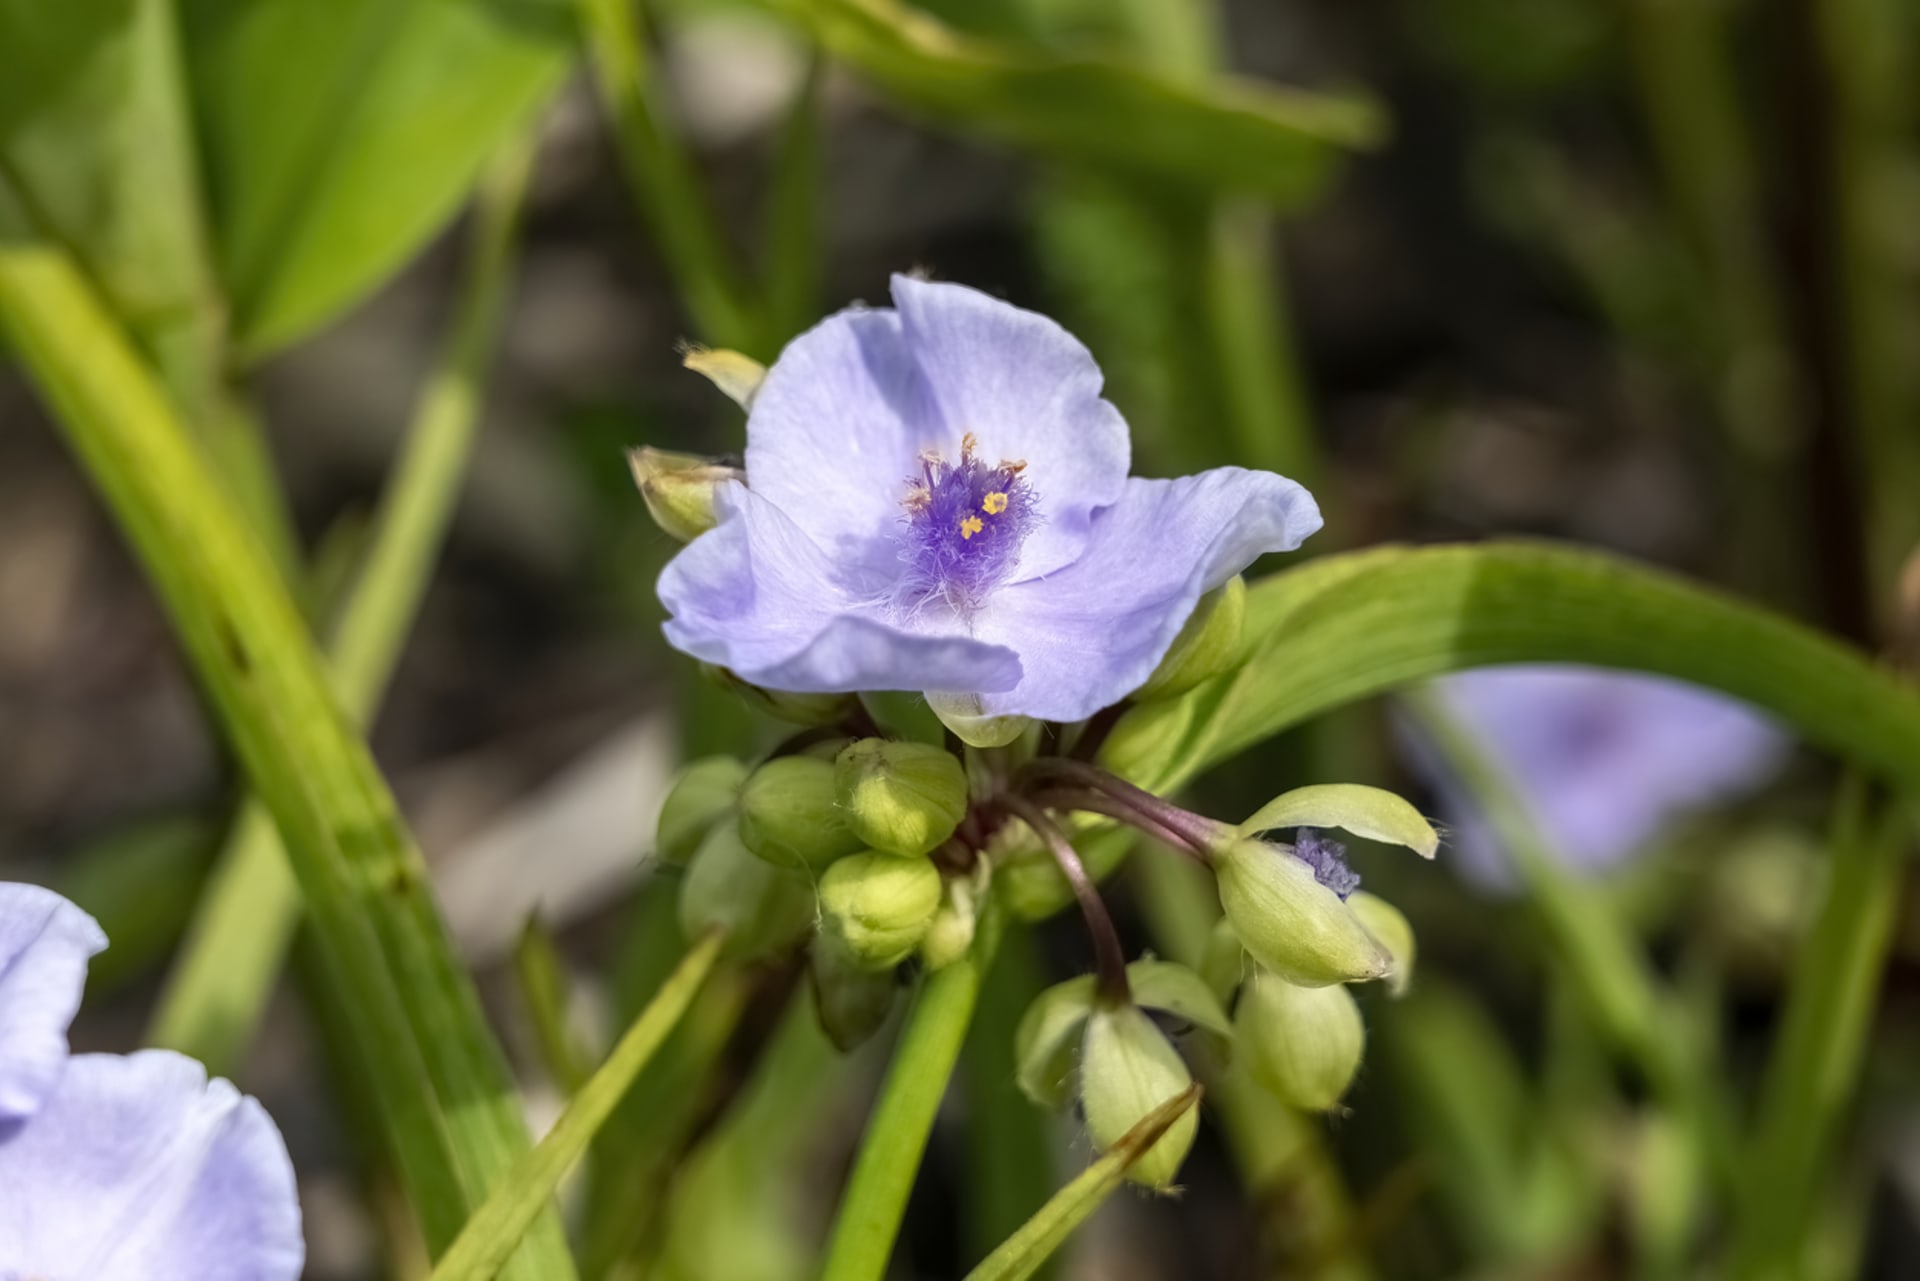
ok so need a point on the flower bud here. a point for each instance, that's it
(903, 798)
(679, 489)
(789, 815)
(762, 908)
(1302, 1043)
(851, 1000)
(1392, 931)
(963, 714)
(734, 374)
(879, 905)
(795, 709)
(1127, 1069)
(704, 792)
(1208, 644)
(950, 935)
(1294, 925)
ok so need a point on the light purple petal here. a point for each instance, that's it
(1603, 759)
(1028, 390)
(755, 595)
(838, 427)
(1092, 633)
(140, 1169)
(45, 943)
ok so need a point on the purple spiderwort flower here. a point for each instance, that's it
(45, 943)
(937, 499)
(129, 1167)
(1602, 759)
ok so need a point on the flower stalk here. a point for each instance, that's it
(1109, 956)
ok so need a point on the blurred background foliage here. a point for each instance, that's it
(1640, 274)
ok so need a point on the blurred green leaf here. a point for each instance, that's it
(447, 1100)
(1232, 135)
(94, 134)
(340, 134)
(1347, 627)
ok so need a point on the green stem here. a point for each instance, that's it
(663, 180)
(1256, 364)
(1822, 1042)
(234, 951)
(497, 1226)
(896, 1137)
(1593, 945)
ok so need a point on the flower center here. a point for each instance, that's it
(1328, 859)
(965, 522)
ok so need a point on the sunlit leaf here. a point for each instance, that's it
(338, 135)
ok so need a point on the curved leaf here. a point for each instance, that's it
(1352, 626)
(1164, 985)
(340, 134)
(1231, 136)
(1368, 812)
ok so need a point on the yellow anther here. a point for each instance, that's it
(971, 526)
(993, 504)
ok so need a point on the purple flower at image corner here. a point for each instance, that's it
(129, 1167)
(1603, 760)
(937, 499)
(45, 944)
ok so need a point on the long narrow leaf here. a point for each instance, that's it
(497, 1227)
(446, 1096)
(233, 954)
(1352, 626)
(1021, 1254)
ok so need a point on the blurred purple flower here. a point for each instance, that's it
(125, 1168)
(939, 501)
(45, 943)
(1602, 759)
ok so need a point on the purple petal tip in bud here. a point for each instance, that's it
(1328, 859)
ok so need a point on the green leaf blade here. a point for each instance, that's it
(1357, 625)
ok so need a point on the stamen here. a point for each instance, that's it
(992, 507)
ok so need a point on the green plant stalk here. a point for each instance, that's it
(664, 182)
(902, 1120)
(446, 1097)
(1260, 378)
(1595, 947)
(1023, 1253)
(1281, 1156)
(1010, 1166)
(235, 949)
(499, 1224)
(792, 266)
(544, 994)
(1814, 1069)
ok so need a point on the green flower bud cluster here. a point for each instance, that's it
(1296, 912)
(877, 907)
(790, 813)
(1126, 1066)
